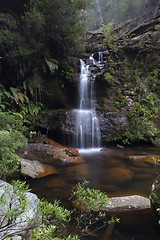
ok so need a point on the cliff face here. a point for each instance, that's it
(128, 90)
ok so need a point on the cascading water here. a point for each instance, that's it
(87, 127)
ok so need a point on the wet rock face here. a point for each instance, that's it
(112, 123)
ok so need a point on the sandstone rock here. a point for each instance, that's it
(103, 150)
(48, 170)
(52, 153)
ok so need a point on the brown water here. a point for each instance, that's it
(118, 172)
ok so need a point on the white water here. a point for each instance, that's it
(87, 127)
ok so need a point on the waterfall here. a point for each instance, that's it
(100, 57)
(87, 129)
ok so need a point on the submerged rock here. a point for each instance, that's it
(144, 160)
(117, 175)
(77, 173)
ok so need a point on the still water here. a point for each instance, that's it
(116, 171)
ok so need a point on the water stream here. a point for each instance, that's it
(86, 121)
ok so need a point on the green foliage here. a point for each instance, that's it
(16, 203)
(36, 46)
(50, 219)
(52, 64)
(120, 100)
(142, 126)
(157, 36)
(89, 201)
(137, 91)
(111, 38)
(11, 126)
(108, 78)
(16, 100)
(56, 217)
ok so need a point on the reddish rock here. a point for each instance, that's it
(132, 210)
(103, 150)
(74, 74)
(48, 170)
(52, 153)
(143, 160)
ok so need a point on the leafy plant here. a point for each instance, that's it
(89, 202)
(11, 137)
(111, 38)
(108, 78)
(52, 64)
(50, 219)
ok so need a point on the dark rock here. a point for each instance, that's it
(112, 123)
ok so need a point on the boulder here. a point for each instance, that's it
(36, 169)
(23, 224)
(52, 153)
(132, 210)
(134, 202)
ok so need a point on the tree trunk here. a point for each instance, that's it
(99, 12)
